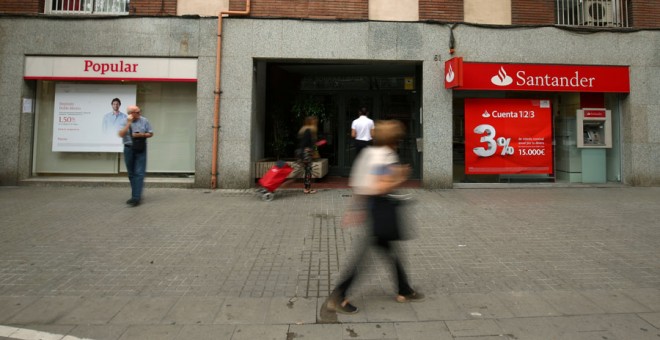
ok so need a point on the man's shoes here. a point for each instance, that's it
(133, 202)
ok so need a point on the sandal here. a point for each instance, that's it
(412, 297)
(333, 304)
(309, 191)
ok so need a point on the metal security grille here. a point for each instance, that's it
(108, 7)
(593, 13)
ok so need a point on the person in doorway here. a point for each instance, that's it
(375, 175)
(361, 130)
(114, 120)
(307, 140)
(134, 135)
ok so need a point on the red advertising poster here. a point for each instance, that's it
(508, 136)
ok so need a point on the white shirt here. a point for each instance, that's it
(372, 161)
(363, 127)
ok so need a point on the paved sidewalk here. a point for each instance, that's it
(534, 263)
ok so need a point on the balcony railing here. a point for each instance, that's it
(593, 13)
(87, 7)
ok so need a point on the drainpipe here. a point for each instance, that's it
(217, 91)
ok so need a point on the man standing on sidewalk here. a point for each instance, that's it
(361, 130)
(134, 136)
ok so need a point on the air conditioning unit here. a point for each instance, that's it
(598, 13)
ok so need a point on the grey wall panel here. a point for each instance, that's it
(248, 39)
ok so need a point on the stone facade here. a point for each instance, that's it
(246, 40)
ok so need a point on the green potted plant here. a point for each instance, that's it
(308, 105)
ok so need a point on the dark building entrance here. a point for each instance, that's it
(335, 93)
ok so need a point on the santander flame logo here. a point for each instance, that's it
(450, 75)
(486, 114)
(501, 78)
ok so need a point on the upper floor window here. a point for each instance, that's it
(106, 7)
(593, 13)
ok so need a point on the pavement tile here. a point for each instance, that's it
(478, 305)
(614, 301)
(99, 332)
(525, 304)
(614, 326)
(570, 302)
(205, 263)
(494, 337)
(292, 311)
(262, 332)
(193, 310)
(463, 328)
(7, 330)
(243, 311)
(649, 297)
(151, 332)
(385, 309)
(626, 326)
(538, 328)
(46, 310)
(379, 330)
(438, 307)
(206, 332)
(652, 318)
(12, 305)
(323, 314)
(41, 332)
(432, 330)
(316, 332)
(94, 311)
(144, 310)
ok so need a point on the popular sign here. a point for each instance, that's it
(536, 77)
(508, 136)
(111, 69)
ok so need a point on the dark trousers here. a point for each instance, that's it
(359, 145)
(387, 248)
(306, 161)
(136, 167)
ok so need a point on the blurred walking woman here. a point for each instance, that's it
(307, 138)
(375, 174)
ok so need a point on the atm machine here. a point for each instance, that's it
(594, 135)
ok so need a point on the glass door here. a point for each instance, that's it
(349, 106)
(403, 106)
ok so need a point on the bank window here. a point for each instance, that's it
(593, 13)
(100, 7)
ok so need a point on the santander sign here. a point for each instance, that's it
(522, 79)
(539, 77)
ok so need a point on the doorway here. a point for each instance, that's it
(335, 93)
(382, 105)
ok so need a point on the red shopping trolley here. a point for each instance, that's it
(272, 180)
